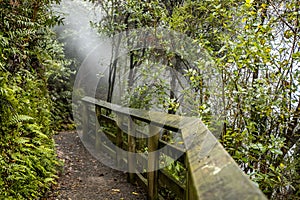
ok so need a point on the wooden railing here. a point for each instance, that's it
(209, 171)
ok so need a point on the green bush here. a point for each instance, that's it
(29, 55)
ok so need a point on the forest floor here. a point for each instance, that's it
(84, 177)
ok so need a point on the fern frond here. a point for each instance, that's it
(4, 102)
(19, 118)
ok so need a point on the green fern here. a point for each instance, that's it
(27, 160)
(19, 118)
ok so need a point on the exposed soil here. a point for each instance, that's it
(83, 177)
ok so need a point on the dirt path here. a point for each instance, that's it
(83, 177)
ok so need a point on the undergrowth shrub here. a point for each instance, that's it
(29, 56)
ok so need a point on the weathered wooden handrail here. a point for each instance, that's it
(211, 171)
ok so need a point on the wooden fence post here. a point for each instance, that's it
(119, 141)
(85, 122)
(131, 150)
(153, 163)
(190, 192)
(97, 134)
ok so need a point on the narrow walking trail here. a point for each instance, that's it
(83, 177)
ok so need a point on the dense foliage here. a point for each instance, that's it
(255, 46)
(30, 58)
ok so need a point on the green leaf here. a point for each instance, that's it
(276, 151)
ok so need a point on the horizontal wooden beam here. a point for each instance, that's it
(215, 175)
(168, 121)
